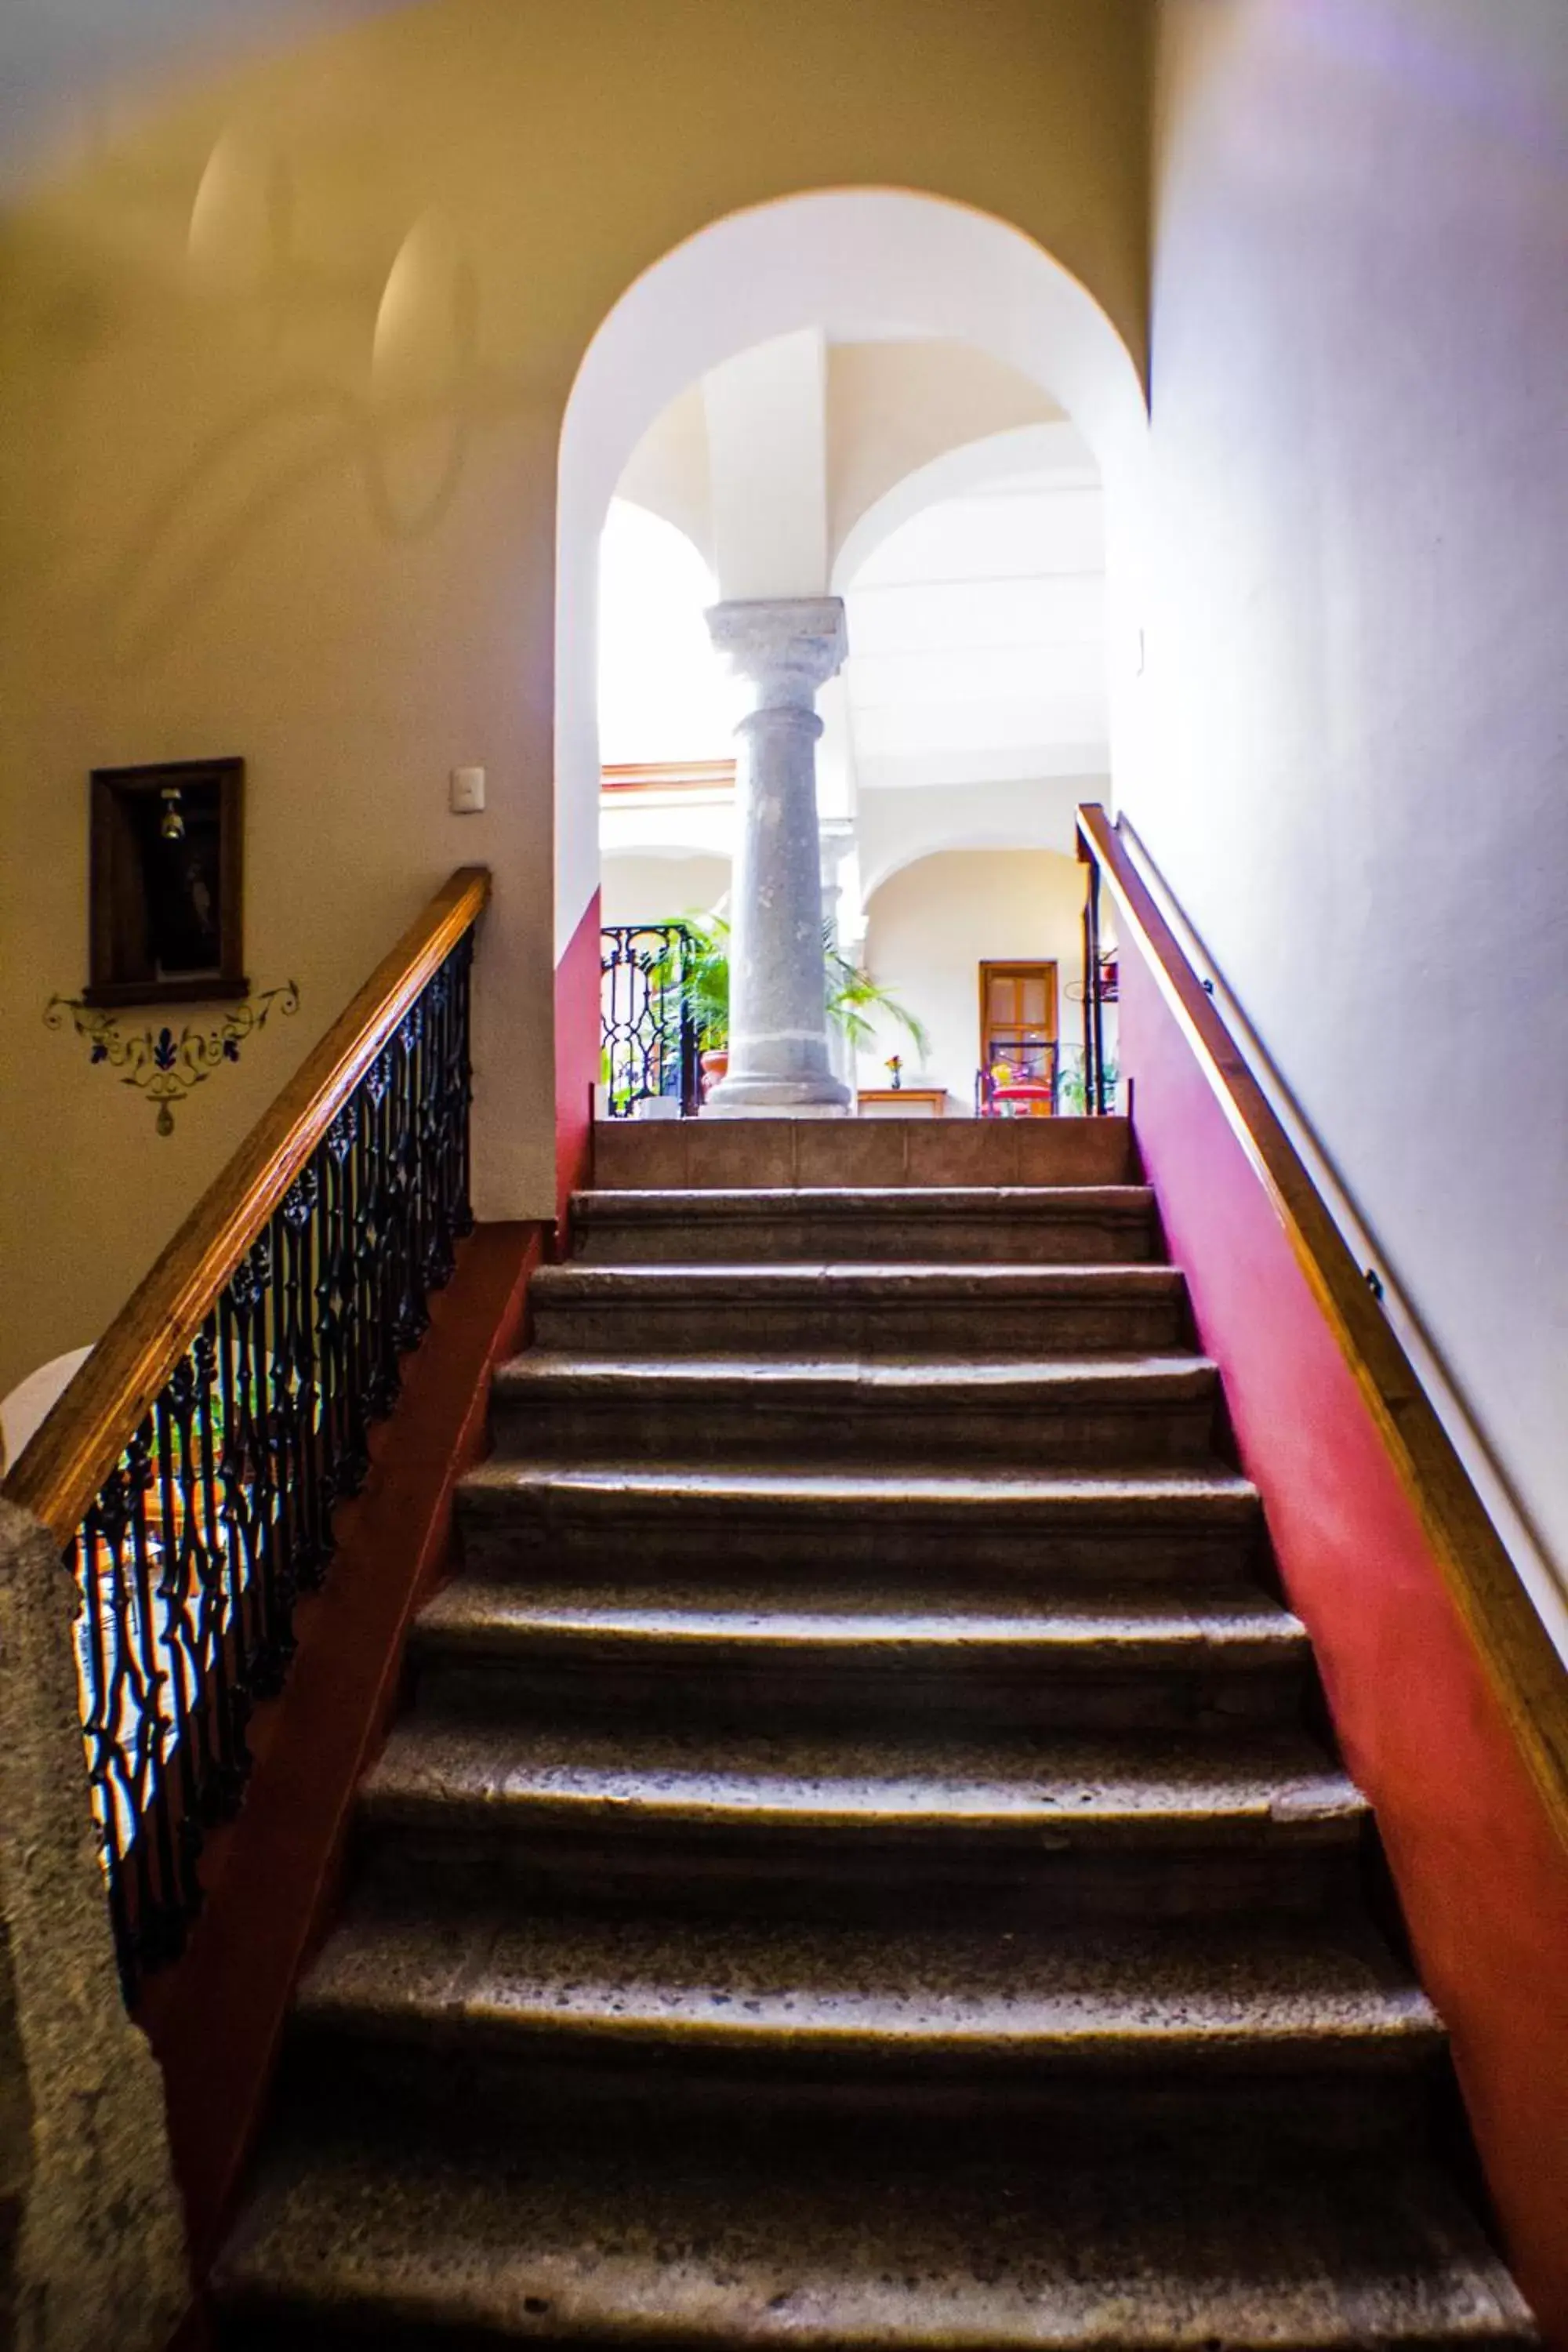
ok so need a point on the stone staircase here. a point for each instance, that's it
(863, 1862)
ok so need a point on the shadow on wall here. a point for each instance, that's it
(402, 434)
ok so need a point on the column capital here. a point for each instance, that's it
(789, 645)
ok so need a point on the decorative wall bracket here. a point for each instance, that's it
(161, 1064)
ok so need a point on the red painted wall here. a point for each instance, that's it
(576, 1057)
(1482, 1874)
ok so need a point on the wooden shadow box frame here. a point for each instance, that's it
(130, 905)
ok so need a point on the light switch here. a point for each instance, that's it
(467, 792)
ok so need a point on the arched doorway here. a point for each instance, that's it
(853, 262)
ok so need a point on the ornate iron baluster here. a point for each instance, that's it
(411, 1321)
(240, 1534)
(261, 1470)
(1094, 1094)
(224, 1581)
(180, 1632)
(381, 1236)
(346, 1455)
(92, 1561)
(310, 1536)
(438, 1259)
(160, 1914)
(460, 1064)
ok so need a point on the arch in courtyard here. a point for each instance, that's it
(969, 465)
(1053, 833)
(855, 262)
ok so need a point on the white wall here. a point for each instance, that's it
(932, 926)
(691, 823)
(767, 462)
(1355, 650)
(669, 473)
(897, 827)
(654, 889)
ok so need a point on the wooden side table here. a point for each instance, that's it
(901, 1102)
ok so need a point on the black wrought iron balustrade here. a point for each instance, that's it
(1097, 1081)
(219, 1515)
(648, 1033)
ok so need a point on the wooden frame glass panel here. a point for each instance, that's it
(1018, 1018)
(166, 884)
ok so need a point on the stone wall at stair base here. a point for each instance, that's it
(1480, 1874)
(93, 2249)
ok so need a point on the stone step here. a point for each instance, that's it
(1085, 1412)
(1108, 1225)
(980, 1310)
(1140, 1658)
(1070, 1820)
(403, 2240)
(735, 1154)
(809, 2012)
(1180, 1525)
(854, 1869)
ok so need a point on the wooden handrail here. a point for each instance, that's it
(60, 1470)
(1526, 1672)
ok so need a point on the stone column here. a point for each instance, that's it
(779, 1059)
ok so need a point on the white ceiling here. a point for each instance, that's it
(977, 629)
(968, 545)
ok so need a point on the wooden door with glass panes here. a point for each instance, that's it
(1018, 1036)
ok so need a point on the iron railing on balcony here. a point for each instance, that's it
(191, 1471)
(1096, 1081)
(648, 1031)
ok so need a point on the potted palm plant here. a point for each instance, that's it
(700, 969)
(854, 1001)
(705, 978)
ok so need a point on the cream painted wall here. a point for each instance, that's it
(295, 497)
(893, 408)
(69, 62)
(661, 889)
(1355, 667)
(934, 923)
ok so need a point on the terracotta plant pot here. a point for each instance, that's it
(714, 1066)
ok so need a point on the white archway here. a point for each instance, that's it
(663, 694)
(1050, 826)
(857, 262)
(970, 465)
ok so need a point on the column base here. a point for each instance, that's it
(817, 1097)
